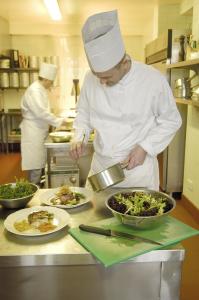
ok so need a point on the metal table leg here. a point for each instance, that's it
(49, 168)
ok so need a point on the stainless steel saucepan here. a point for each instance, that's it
(108, 177)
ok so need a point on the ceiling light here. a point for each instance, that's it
(53, 9)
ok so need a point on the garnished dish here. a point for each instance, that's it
(37, 220)
(67, 197)
(139, 204)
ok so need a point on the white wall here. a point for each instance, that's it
(5, 40)
(169, 17)
(135, 47)
(191, 171)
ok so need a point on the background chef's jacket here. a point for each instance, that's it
(138, 110)
(35, 124)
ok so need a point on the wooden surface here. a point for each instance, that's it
(195, 103)
(183, 101)
(184, 64)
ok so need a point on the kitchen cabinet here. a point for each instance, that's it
(178, 144)
(195, 103)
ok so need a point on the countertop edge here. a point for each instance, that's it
(86, 259)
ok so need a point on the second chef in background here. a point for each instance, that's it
(36, 120)
(129, 105)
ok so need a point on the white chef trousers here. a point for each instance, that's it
(34, 176)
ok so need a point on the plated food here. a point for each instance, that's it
(140, 207)
(18, 194)
(41, 220)
(67, 197)
(36, 221)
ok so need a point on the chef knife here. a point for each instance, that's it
(114, 233)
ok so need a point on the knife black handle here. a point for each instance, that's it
(94, 229)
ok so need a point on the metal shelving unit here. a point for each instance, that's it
(184, 101)
(9, 71)
(190, 64)
(8, 121)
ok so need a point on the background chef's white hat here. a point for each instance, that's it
(48, 71)
(103, 42)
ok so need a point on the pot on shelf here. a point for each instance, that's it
(182, 88)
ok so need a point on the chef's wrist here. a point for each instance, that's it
(147, 148)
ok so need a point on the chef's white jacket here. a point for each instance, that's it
(138, 110)
(34, 126)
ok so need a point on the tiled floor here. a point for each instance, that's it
(10, 167)
(190, 273)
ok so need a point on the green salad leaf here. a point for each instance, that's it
(139, 204)
(22, 188)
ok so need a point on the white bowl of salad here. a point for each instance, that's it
(140, 208)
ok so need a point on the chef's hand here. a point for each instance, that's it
(136, 157)
(62, 127)
(76, 149)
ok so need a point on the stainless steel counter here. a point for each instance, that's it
(68, 270)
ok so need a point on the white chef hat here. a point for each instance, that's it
(48, 71)
(103, 42)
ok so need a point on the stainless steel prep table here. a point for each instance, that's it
(61, 151)
(56, 267)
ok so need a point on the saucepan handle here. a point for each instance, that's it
(124, 165)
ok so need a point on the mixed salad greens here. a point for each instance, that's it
(65, 196)
(21, 189)
(139, 204)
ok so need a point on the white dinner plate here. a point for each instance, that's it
(51, 193)
(61, 219)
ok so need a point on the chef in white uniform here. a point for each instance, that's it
(128, 104)
(36, 120)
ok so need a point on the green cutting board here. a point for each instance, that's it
(111, 250)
